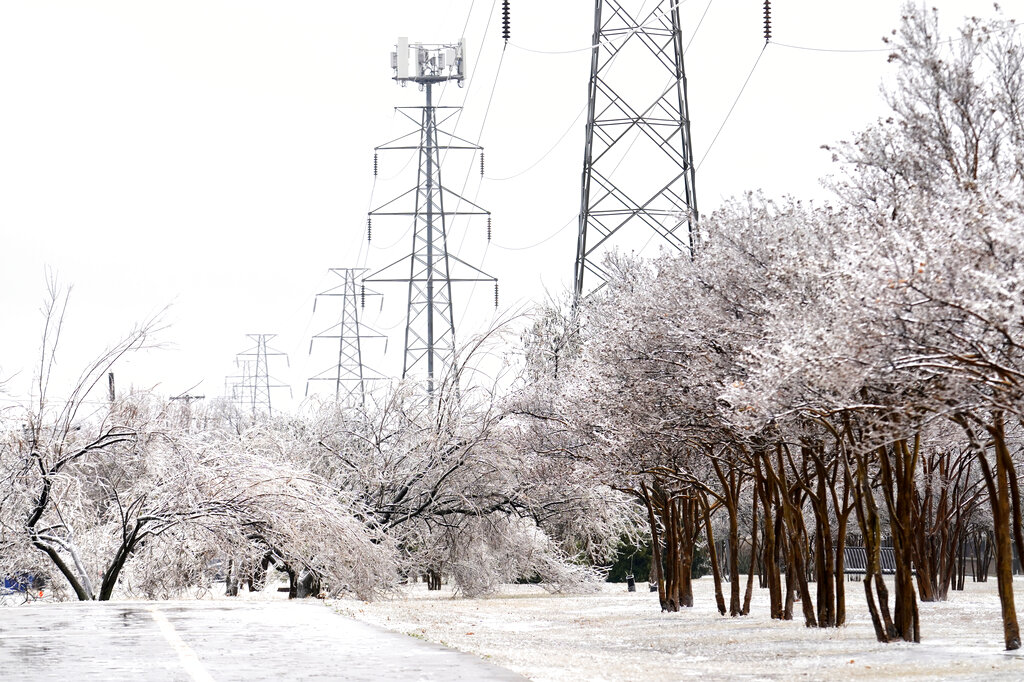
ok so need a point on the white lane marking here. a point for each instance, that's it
(189, 660)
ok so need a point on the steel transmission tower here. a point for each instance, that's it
(638, 173)
(237, 385)
(431, 267)
(252, 389)
(349, 375)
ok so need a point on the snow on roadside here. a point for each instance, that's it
(617, 635)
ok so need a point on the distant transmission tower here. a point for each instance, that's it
(349, 375)
(252, 389)
(638, 174)
(236, 386)
(430, 324)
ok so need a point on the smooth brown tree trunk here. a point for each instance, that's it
(713, 554)
(870, 527)
(656, 554)
(999, 496)
(796, 538)
(753, 560)
(771, 549)
(899, 485)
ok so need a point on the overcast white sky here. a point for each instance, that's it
(216, 155)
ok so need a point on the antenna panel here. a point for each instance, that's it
(402, 57)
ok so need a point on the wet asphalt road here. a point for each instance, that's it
(203, 641)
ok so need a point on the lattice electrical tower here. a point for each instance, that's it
(349, 375)
(253, 387)
(432, 268)
(638, 173)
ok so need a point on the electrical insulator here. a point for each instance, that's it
(362, 296)
(767, 20)
(481, 164)
(495, 294)
(369, 230)
(375, 164)
(488, 228)
(506, 21)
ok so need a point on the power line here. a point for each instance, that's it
(603, 43)
(561, 138)
(572, 125)
(465, 27)
(480, 135)
(479, 138)
(472, 74)
(363, 255)
(588, 48)
(469, 14)
(890, 49)
(551, 236)
(847, 51)
(733, 107)
(699, 23)
(397, 241)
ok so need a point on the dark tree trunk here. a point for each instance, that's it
(308, 585)
(258, 579)
(713, 554)
(732, 486)
(656, 555)
(796, 538)
(753, 561)
(117, 563)
(65, 570)
(293, 583)
(231, 581)
(842, 510)
(898, 467)
(871, 533)
(770, 563)
(689, 529)
(1000, 499)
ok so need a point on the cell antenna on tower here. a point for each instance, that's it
(430, 269)
(638, 172)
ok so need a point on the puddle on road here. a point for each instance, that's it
(32, 650)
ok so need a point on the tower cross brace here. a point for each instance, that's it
(628, 49)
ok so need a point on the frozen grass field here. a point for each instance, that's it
(617, 635)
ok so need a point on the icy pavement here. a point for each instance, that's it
(217, 640)
(617, 635)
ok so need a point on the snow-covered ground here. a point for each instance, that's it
(617, 635)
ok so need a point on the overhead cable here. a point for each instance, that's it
(733, 107)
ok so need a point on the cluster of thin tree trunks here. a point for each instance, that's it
(302, 582)
(795, 506)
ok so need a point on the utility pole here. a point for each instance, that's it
(349, 375)
(188, 399)
(638, 173)
(430, 324)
